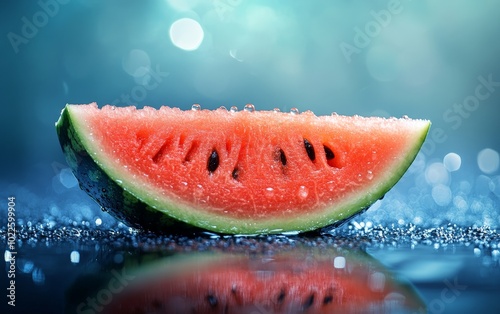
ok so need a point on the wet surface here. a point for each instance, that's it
(406, 269)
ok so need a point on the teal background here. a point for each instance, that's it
(424, 59)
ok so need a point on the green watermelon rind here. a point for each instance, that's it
(131, 201)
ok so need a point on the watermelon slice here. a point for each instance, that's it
(301, 281)
(239, 172)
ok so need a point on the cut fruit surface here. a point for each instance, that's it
(235, 172)
(301, 281)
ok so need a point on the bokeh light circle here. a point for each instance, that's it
(436, 174)
(488, 160)
(452, 162)
(186, 34)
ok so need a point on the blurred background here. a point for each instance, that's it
(436, 60)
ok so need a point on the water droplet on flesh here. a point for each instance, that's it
(276, 110)
(334, 114)
(330, 185)
(294, 111)
(223, 108)
(303, 192)
(199, 190)
(369, 175)
(269, 192)
(405, 117)
(233, 109)
(184, 186)
(249, 108)
(196, 107)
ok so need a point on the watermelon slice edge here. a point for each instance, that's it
(132, 198)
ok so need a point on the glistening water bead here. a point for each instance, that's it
(303, 192)
(249, 108)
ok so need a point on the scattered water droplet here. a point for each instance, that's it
(249, 108)
(196, 107)
(233, 109)
(276, 110)
(369, 175)
(330, 185)
(74, 256)
(477, 251)
(199, 190)
(119, 181)
(118, 258)
(303, 192)
(335, 114)
(294, 111)
(26, 266)
(269, 192)
(7, 256)
(339, 262)
(98, 221)
(38, 276)
(223, 108)
(184, 185)
(405, 117)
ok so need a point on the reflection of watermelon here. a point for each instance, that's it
(235, 172)
(301, 281)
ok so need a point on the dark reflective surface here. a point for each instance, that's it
(302, 279)
(376, 270)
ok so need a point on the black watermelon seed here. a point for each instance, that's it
(309, 150)
(280, 156)
(327, 299)
(235, 173)
(212, 300)
(213, 161)
(328, 152)
(308, 302)
(281, 296)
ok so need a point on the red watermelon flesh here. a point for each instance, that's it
(246, 171)
(296, 282)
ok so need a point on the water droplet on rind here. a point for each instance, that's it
(249, 108)
(196, 107)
